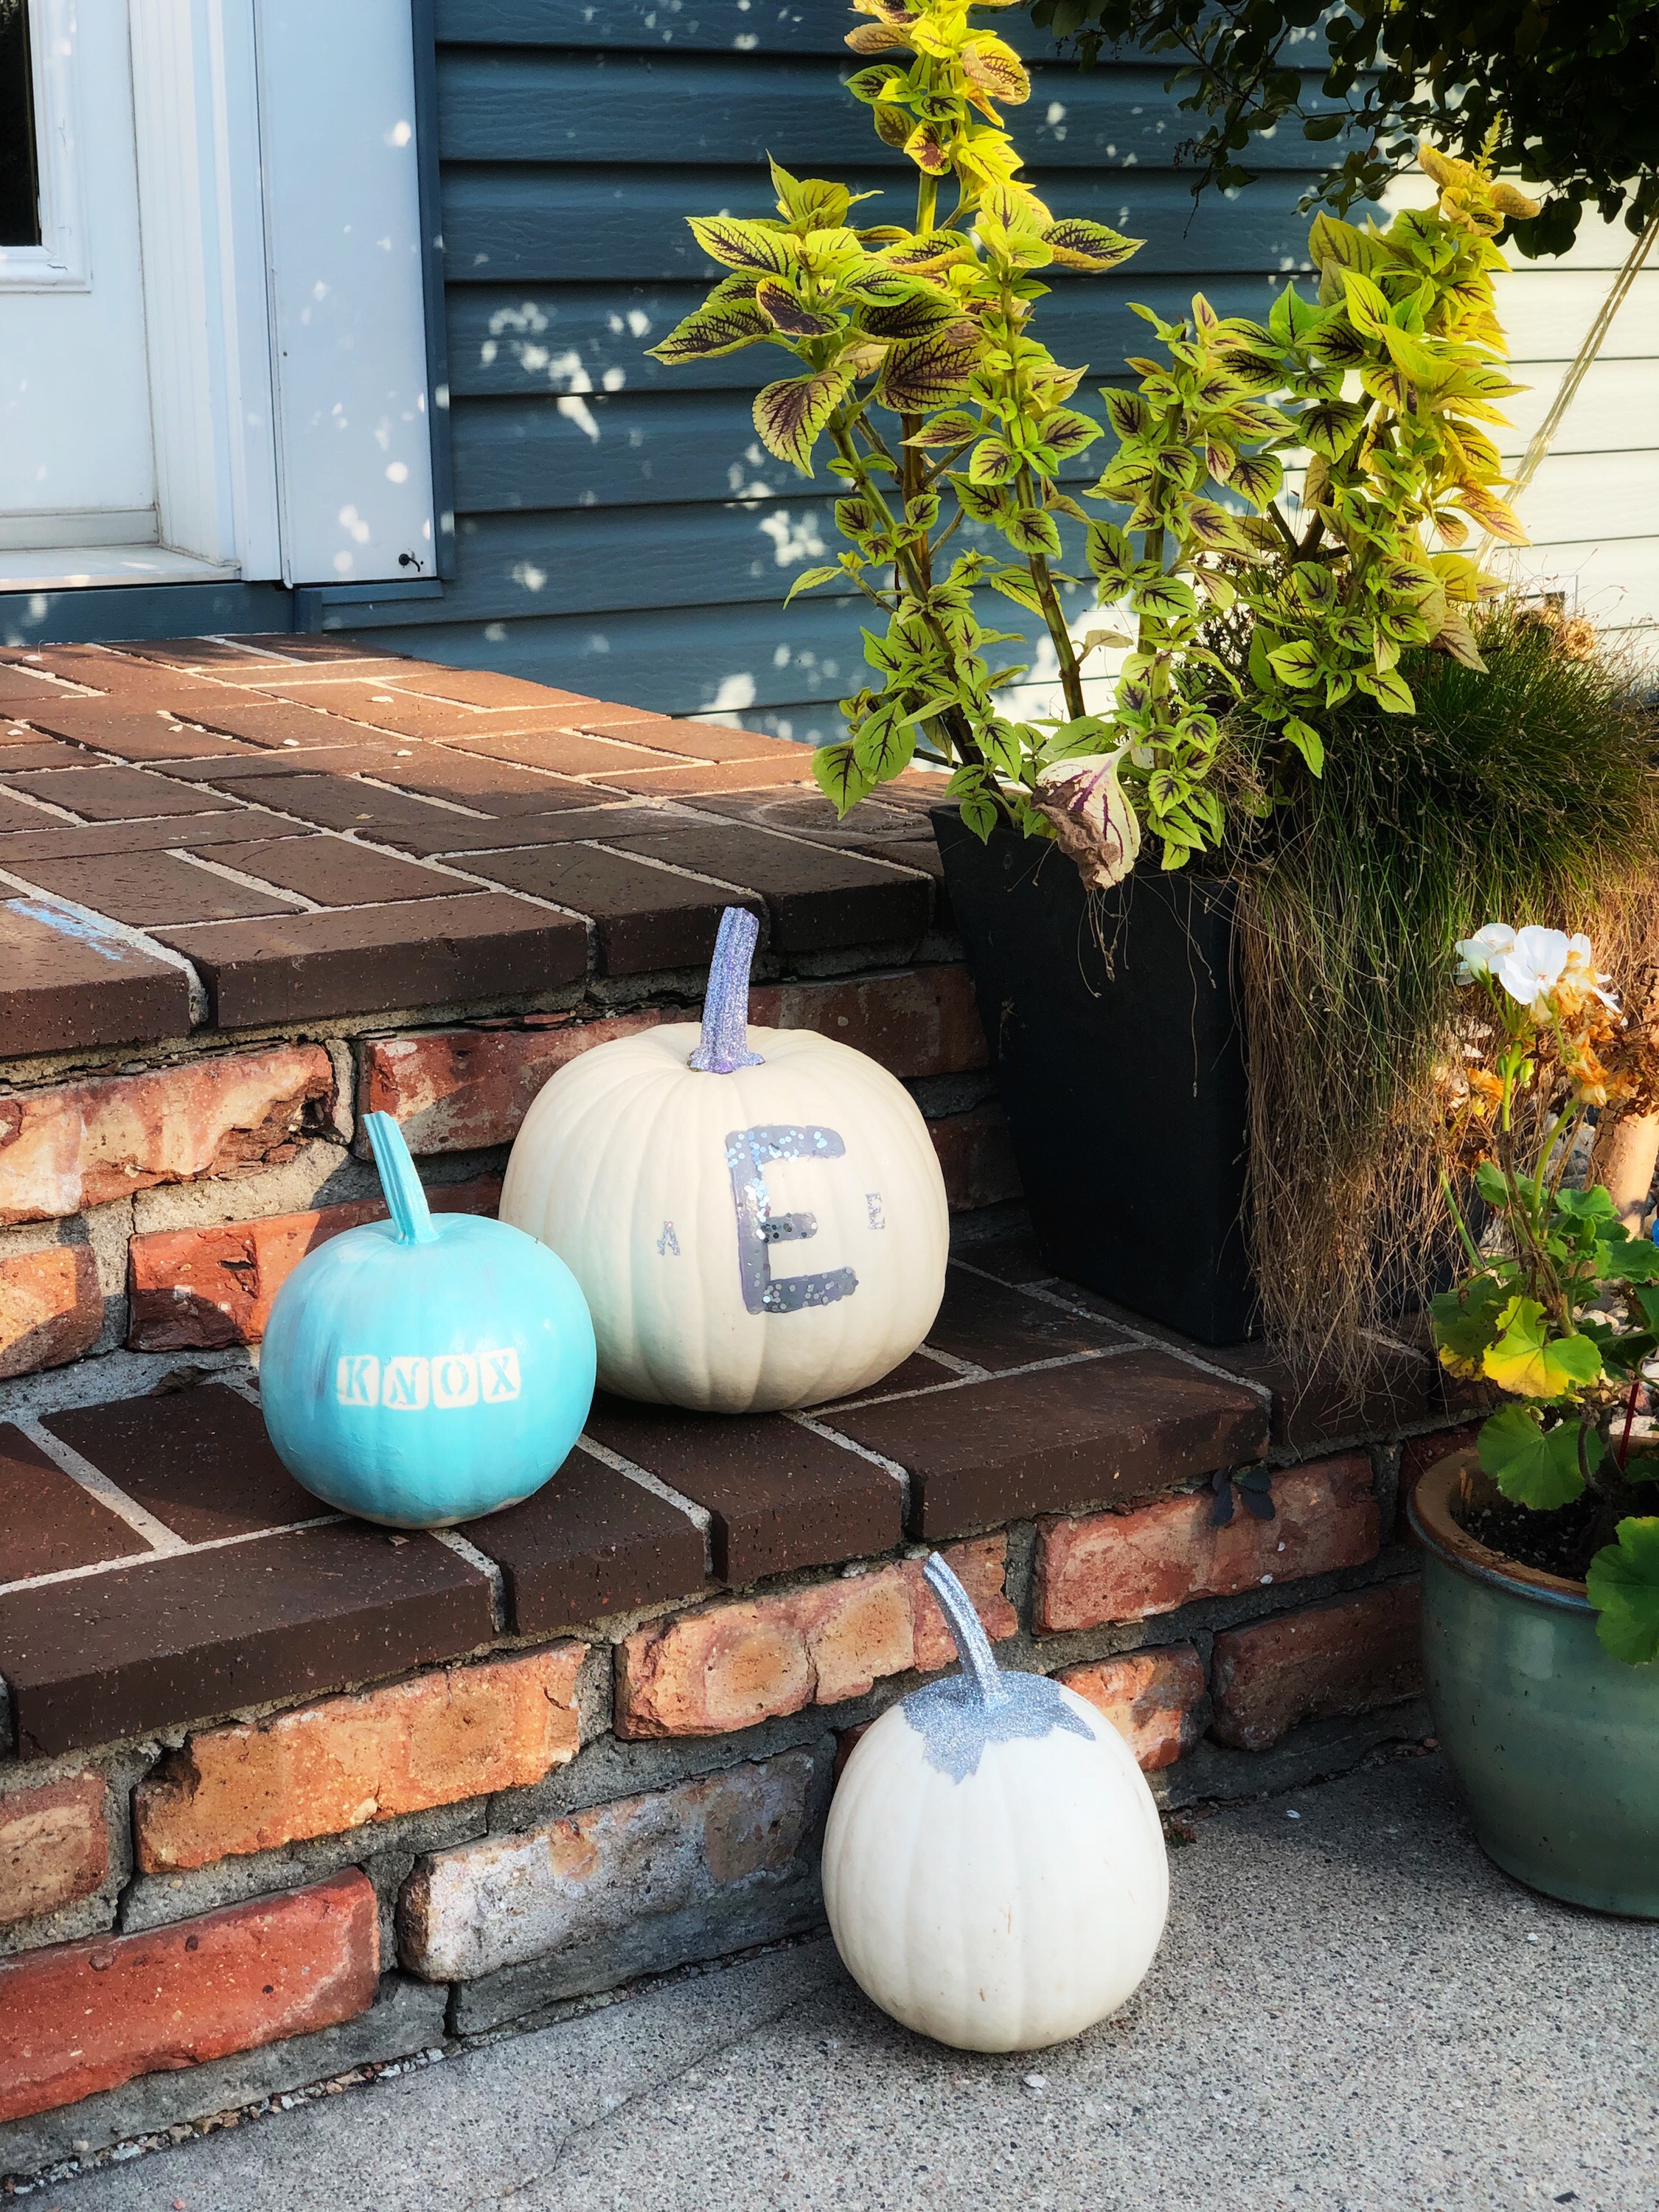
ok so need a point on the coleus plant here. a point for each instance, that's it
(1560, 1308)
(1251, 618)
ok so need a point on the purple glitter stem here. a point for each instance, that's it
(973, 1645)
(724, 1047)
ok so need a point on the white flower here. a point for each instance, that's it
(1476, 954)
(1535, 963)
(1580, 969)
(1091, 815)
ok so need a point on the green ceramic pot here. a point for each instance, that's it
(1555, 1743)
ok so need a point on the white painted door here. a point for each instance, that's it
(77, 466)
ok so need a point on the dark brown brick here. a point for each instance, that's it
(694, 781)
(258, 721)
(997, 1328)
(332, 647)
(490, 786)
(236, 825)
(142, 888)
(714, 741)
(479, 687)
(65, 982)
(47, 1522)
(17, 813)
(808, 814)
(1320, 1409)
(199, 1460)
(1115, 1429)
(370, 959)
(337, 873)
(778, 1497)
(347, 756)
(114, 794)
(23, 688)
(590, 1542)
(454, 836)
(645, 918)
(816, 899)
(114, 674)
(26, 749)
(565, 752)
(143, 1647)
(227, 654)
(137, 732)
(336, 802)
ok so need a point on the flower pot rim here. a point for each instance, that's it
(1429, 1511)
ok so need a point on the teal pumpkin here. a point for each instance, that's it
(421, 1371)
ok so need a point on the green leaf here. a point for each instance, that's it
(1066, 432)
(1257, 477)
(884, 747)
(1530, 1361)
(1535, 1466)
(1076, 244)
(1309, 743)
(952, 427)
(790, 414)
(1493, 1185)
(979, 814)
(1388, 688)
(1294, 320)
(740, 245)
(1166, 598)
(983, 502)
(991, 462)
(922, 511)
(1214, 527)
(1019, 586)
(708, 331)
(1107, 549)
(1032, 530)
(1296, 663)
(1466, 1320)
(1127, 412)
(1367, 306)
(839, 777)
(810, 579)
(925, 373)
(813, 202)
(1623, 1587)
(1332, 428)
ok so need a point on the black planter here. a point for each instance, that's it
(1115, 1036)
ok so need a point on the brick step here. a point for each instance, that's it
(159, 1566)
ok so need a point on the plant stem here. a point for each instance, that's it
(1071, 677)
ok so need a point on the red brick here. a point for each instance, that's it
(1417, 1455)
(1124, 1566)
(201, 1288)
(459, 1090)
(80, 1144)
(54, 1846)
(977, 1158)
(347, 1761)
(50, 1307)
(82, 2017)
(731, 1665)
(1349, 1657)
(1150, 1698)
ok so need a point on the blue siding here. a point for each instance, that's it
(619, 528)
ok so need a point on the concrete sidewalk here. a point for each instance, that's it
(1352, 2009)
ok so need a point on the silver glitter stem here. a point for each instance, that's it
(973, 1645)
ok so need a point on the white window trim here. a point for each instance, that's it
(61, 263)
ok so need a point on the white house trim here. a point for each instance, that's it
(61, 263)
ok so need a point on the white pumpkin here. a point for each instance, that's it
(677, 1172)
(994, 1867)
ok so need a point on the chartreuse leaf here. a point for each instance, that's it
(1535, 1466)
(928, 372)
(739, 244)
(1623, 1587)
(1309, 743)
(1296, 663)
(790, 414)
(809, 580)
(1388, 688)
(710, 331)
(1494, 515)
(839, 776)
(1466, 1322)
(1077, 244)
(1531, 1362)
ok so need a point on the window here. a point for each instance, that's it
(20, 189)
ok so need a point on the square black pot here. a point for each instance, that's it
(1115, 1034)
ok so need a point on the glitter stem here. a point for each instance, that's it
(724, 1046)
(973, 1645)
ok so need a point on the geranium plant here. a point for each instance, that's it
(1251, 615)
(1560, 1307)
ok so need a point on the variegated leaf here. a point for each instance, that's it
(1030, 530)
(953, 428)
(981, 503)
(1213, 528)
(997, 69)
(920, 256)
(1257, 477)
(787, 314)
(929, 148)
(876, 39)
(1496, 517)
(1066, 432)
(740, 245)
(1078, 244)
(1125, 410)
(1332, 428)
(790, 414)
(710, 331)
(930, 372)
(837, 771)
(917, 316)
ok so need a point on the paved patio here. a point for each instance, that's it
(1352, 2009)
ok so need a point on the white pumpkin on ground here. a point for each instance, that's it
(756, 1218)
(994, 1867)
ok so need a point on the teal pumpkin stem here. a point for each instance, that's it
(405, 1197)
(724, 1046)
(973, 1645)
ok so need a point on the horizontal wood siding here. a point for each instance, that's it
(620, 528)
